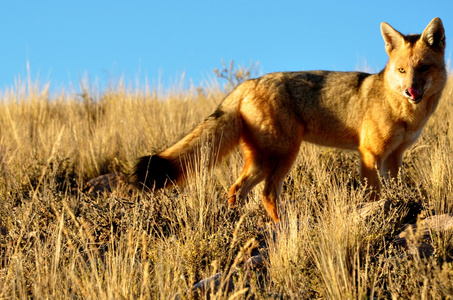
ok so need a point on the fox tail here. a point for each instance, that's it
(216, 136)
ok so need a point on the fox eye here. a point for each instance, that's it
(424, 68)
(401, 70)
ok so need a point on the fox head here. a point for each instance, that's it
(416, 66)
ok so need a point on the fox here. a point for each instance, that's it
(379, 115)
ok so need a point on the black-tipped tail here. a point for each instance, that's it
(154, 172)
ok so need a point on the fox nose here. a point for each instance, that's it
(413, 93)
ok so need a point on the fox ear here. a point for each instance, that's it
(434, 34)
(392, 38)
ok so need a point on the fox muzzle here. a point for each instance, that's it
(414, 95)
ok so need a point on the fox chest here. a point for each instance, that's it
(399, 137)
(410, 136)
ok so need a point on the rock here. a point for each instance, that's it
(218, 281)
(212, 284)
(106, 182)
(368, 209)
(255, 263)
(3, 230)
(418, 237)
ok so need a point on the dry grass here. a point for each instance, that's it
(57, 241)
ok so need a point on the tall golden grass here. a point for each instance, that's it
(58, 241)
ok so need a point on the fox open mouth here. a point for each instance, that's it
(414, 95)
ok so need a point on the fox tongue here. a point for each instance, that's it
(415, 94)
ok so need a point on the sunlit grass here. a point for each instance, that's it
(57, 241)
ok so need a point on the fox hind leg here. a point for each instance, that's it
(251, 175)
(274, 183)
(258, 167)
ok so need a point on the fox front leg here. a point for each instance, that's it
(393, 164)
(370, 169)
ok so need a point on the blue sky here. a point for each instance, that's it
(64, 42)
